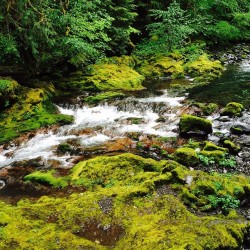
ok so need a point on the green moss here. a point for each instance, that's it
(103, 96)
(32, 110)
(162, 66)
(204, 67)
(233, 109)
(124, 193)
(190, 123)
(46, 178)
(217, 155)
(207, 108)
(122, 169)
(147, 222)
(186, 156)
(209, 146)
(107, 76)
(231, 146)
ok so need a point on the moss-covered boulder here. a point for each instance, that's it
(186, 156)
(194, 124)
(216, 155)
(231, 146)
(233, 109)
(162, 65)
(110, 76)
(204, 67)
(240, 128)
(207, 108)
(105, 219)
(209, 146)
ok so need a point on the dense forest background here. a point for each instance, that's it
(49, 34)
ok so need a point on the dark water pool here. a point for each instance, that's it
(233, 85)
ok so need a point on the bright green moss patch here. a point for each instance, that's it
(186, 156)
(129, 195)
(204, 67)
(233, 109)
(140, 222)
(175, 65)
(190, 123)
(210, 191)
(46, 178)
(125, 169)
(162, 66)
(32, 110)
(209, 146)
(231, 146)
(108, 76)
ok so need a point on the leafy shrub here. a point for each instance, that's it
(224, 32)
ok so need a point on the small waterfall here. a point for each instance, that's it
(104, 122)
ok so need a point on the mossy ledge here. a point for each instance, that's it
(31, 110)
(176, 65)
(133, 198)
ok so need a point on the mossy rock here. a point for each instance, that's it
(231, 146)
(209, 146)
(109, 77)
(204, 67)
(217, 155)
(46, 178)
(233, 109)
(186, 156)
(32, 110)
(162, 66)
(207, 108)
(190, 123)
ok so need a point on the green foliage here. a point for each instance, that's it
(228, 163)
(44, 34)
(242, 22)
(207, 161)
(225, 202)
(170, 29)
(225, 32)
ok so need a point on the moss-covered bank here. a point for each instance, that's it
(131, 203)
(31, 109)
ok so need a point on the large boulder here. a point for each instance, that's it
(193, 124)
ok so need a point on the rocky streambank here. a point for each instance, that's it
(115, 169)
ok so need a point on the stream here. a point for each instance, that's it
(116, 126)
(97, 125)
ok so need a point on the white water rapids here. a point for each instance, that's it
(106, 123)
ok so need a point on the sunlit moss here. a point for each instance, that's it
(32, 110)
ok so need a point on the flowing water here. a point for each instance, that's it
(104, 122)
(154, 112)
